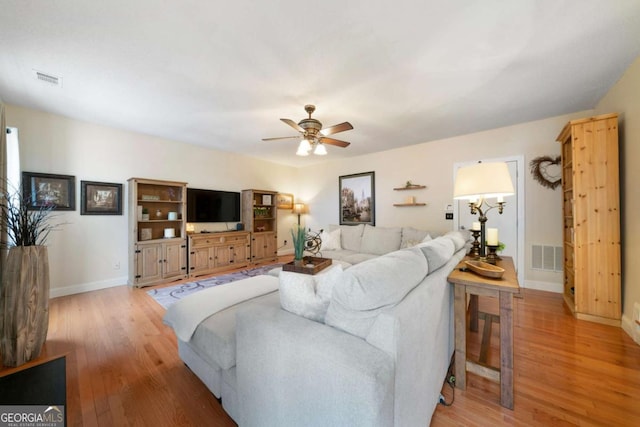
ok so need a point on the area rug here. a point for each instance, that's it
(167, 296)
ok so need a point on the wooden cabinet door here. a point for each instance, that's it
(200, 259)
(174, 260)
(258, 246)
(223, 256)
(148, 263)
(271, 245)
(241, 253)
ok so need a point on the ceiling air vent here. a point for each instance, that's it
(48, 78)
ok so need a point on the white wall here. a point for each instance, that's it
(624, 98)
(83, 252)
(431, 164)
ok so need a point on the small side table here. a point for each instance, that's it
(467, 282)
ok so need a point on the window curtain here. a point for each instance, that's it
(3, 180)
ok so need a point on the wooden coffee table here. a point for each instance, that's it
(467, 282)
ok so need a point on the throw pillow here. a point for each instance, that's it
(437, 252)
(411, 243)
(330, 240)
(308, 296)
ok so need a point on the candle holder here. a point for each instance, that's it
(492, 256)
(475, 246)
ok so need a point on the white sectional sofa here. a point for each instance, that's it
(378, 357)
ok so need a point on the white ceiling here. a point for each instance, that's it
(222, 73)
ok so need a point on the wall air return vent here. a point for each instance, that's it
(48, 78)
(547, 258)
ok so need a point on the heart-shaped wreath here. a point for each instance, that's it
(539, 168)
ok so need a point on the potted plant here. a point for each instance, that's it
(145, 214)
(24, 279)
(299, 237)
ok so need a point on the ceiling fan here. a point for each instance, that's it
(313, 135)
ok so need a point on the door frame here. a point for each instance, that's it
(519, 185)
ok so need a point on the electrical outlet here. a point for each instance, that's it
(285, 243)
(448, 215)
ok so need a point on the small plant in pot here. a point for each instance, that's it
(24, 289)
(299, 237)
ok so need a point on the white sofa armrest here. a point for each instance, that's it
(296, 372)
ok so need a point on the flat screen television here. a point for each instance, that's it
(212, 206)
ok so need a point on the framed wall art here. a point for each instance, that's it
(284, 201)
(100, 198)
(357, 199)
(45, 190)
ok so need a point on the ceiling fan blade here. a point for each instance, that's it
(335, 142)
(281, 137)
(336, 128)
(293, 125)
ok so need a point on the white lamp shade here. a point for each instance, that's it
(483, 180)
(303, 148)
(300, 208)
(320, 150)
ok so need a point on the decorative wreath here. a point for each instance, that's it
(538, 168)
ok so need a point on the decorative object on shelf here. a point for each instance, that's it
(540, 169)
(410, 187)
(299, 209)
(485, 269)
(100, 198)
(24, 291)
(284, 201)
(169, 233)
(479, 182)
(266, 199)
(313, 135)
(357, 199)
(172, 216)
(299, 237)
(158, 214)
(145, 214)
(49, 190)
(145, 234)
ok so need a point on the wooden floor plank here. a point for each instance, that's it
(123, 368)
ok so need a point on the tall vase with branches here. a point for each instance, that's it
(24, 291)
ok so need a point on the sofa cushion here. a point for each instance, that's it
(357, 258)
(459, 238)
(330, 240)
(372, 286)
(437, 251)
(412, 236)
(380, 240)
(306, 295)
(350, 236)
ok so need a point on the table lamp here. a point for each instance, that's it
(479, 182)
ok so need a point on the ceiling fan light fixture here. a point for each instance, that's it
(320, 150)
(303, 148)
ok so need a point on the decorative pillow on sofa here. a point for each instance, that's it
(308, 296)
(438, 251)
(351, 235)
(459, 237)
(380, 240)
(411, 243)
(330, 240)
(412, 236)
(372, 286)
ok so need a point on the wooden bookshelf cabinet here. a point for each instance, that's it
(260, 217)
(219, 251)
(591, 209)
(154, 258)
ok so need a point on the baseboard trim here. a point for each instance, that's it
(87, 287)
(543, 286)
(285, 252)
(628, 326)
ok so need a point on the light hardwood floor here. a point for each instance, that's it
(123, 368)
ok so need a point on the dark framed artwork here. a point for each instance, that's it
(357, 199)
(284, 201)
(100, 198)
(45, 190)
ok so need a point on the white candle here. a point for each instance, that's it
(492, 236)
(500, 199)
(475, 226)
